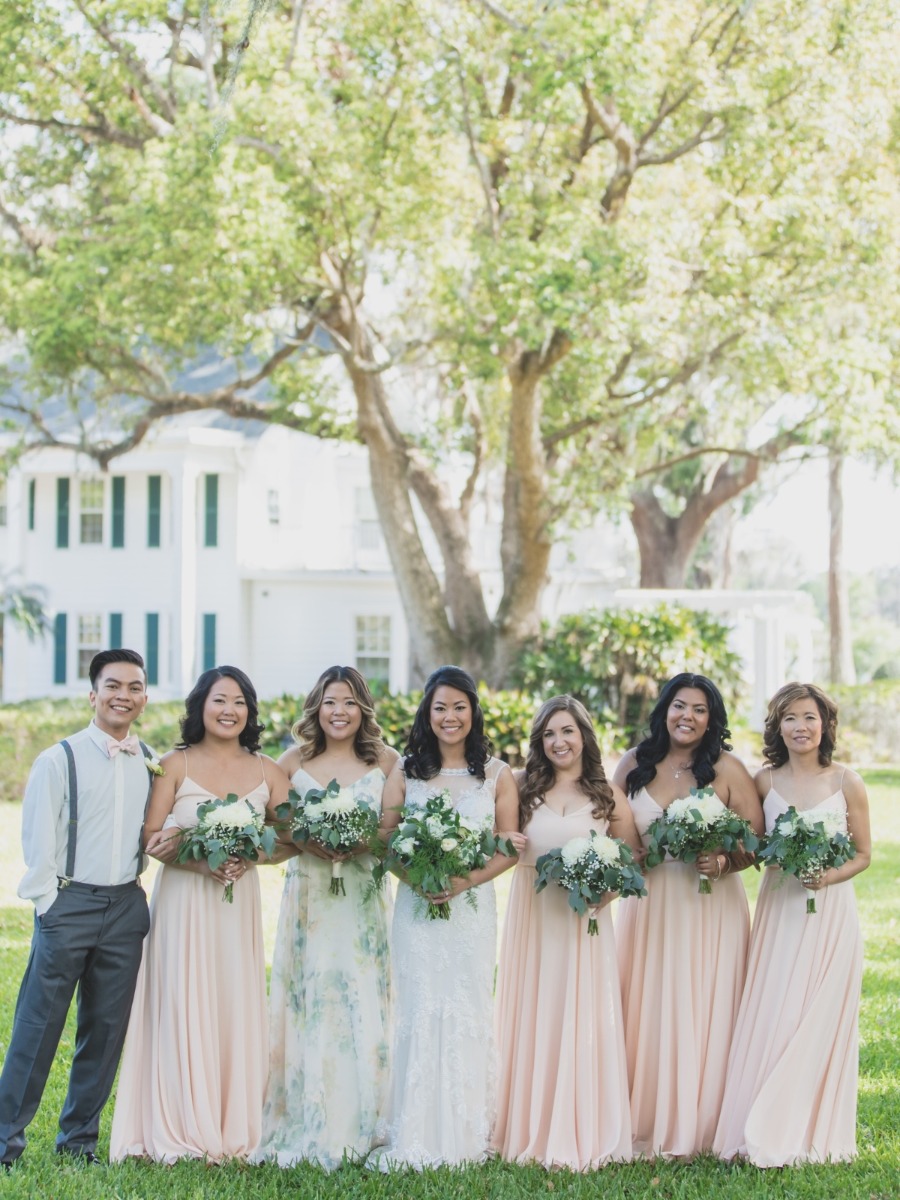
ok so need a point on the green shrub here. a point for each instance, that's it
(615, 661)
(868, 721)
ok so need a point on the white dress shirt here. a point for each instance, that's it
(112, 797)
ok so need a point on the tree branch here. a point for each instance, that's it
(100, 132)
(130, 61)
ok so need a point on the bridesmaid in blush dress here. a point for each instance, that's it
(563, 1088)
(682, 955)
(328, 1008)
(792, 1074)
(193, 1072)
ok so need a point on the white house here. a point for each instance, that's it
(209, 543)
(215, 542)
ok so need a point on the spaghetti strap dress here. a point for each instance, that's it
(563, 1085)
(682, 960)
(193, 1071)
(792, 1076)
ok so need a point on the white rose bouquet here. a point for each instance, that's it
(587, 868)
(805, 845)
(334, 817)
(229, 828)
(694, 825)
(433, 844)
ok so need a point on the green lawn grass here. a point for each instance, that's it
(875, 1175)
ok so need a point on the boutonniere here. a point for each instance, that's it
(153, 765)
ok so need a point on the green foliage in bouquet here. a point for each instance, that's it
(805, 845)
(694, 825)
(588, 868)
(434, 844)
(335, 818)
(229, 828)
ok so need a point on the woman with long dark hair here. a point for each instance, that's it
(563, 1089)
(328, 1006)
(792, 1075)
(682, 955)
(194, 1069)
(443, 1070)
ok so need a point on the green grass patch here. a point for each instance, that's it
(875, 1175)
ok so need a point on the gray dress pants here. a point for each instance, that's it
(90, 937)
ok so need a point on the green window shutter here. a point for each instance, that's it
(152, 656)
(118, 511)
(154, 509)
(211, 511)
(62, 513)
(32, 488)
(115, 631)
(209, 641)
(59, 647)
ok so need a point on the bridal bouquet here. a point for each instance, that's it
(334, 817)
(229, 828)
(695, 825)
(433, 844)
(805, 845)
(588, 868)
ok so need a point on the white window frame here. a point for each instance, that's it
(368, 527)
(86, 646)
(92, 511)
(373, 642)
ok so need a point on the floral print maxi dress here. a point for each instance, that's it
(328, 1006)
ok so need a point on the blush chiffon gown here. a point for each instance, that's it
(563, 1084)
(194, 1067)
(682, 959)
(792, 1076)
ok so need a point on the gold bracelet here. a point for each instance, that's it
(718, 874)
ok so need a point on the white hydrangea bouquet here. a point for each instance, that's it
(229, 828)
(806, 845)
(333, 816)
(588, 868)
(694, 825)
(435, 843)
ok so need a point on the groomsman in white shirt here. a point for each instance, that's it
(82, 817)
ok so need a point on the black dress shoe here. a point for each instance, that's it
(86, 1158)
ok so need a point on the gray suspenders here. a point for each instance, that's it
(73, 814)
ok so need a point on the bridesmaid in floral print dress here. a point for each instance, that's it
(328, 1024)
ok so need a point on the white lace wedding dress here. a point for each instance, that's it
(443, 1063)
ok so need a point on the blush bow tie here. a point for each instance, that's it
(130, 745)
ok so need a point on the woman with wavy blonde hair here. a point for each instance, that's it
(563, 1092)
(329, 992)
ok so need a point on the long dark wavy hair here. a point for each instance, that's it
(422, 753)
(540, 774)
(309, 734)
(653, 749)
(775, 752)
(192, 729)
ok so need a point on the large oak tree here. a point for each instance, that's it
(537, 238)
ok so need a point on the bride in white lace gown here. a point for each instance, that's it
(443, 1063)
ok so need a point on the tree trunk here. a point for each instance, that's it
(431, 640)
(526, 542)
(667, 544)
(840, 647)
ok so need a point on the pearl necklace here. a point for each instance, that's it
(682, 769)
